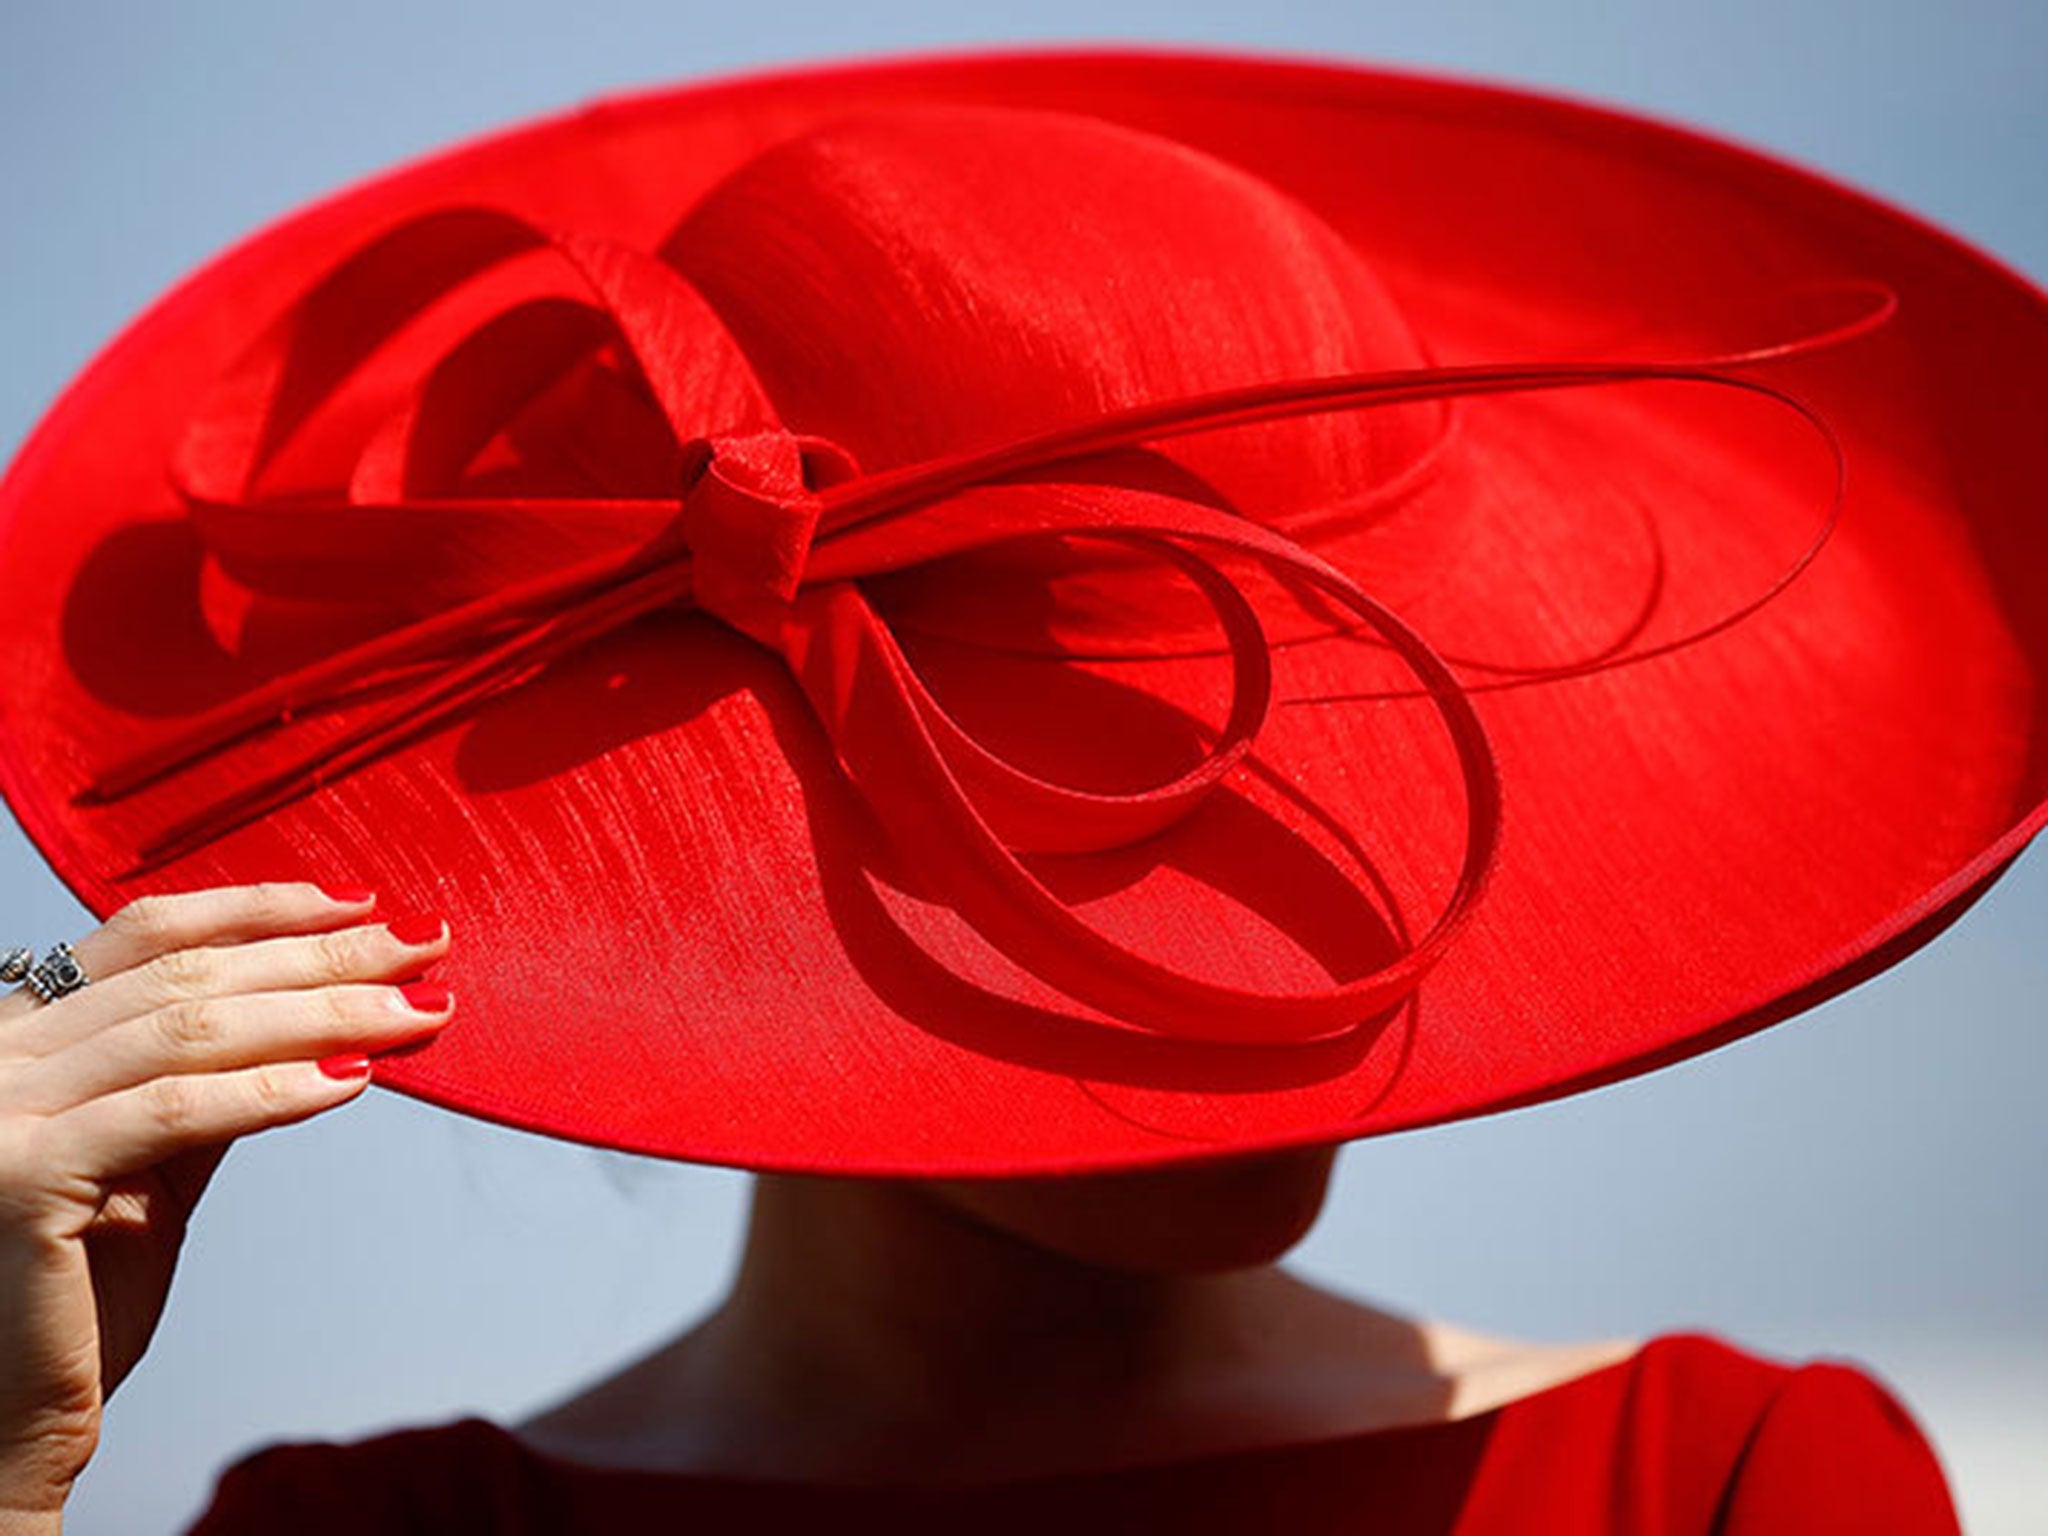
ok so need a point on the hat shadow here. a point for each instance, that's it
(604, 696)
(133, 632)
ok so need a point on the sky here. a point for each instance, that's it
(1864, 1182)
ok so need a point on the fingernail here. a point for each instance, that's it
(427, 997)
(348, 895)
(422, 928)
(345, 1067)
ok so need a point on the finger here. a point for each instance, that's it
(140, 1127)
(159, 925)
(374, 952)
(215, 1034)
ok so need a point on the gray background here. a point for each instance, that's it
(1864, 1182)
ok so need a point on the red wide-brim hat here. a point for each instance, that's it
(1012, 614)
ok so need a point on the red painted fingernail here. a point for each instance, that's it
(427, 996)
(422, 928)
(348, 895)
(345, 1067)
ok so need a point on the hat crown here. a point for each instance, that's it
(921, 281)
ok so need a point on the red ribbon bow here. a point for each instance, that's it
(773, 536)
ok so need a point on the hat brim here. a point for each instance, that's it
(678, 931)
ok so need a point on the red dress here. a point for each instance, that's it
(1686, 1436)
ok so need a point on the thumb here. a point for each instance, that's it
(186, 1175)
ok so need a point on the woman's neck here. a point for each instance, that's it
(903, 1300)
(879, 1333)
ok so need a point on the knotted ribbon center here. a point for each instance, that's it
(748, 517)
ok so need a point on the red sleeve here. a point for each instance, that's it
(1836, 1455)
(268, 1490)
(453, 1480)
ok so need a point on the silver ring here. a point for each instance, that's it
(14, 965)
(59, 974)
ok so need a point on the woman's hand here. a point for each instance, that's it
(208, 1016)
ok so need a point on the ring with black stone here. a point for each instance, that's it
(59, 974)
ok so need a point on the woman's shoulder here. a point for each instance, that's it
(1746, 1442)
(1832, 1448)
